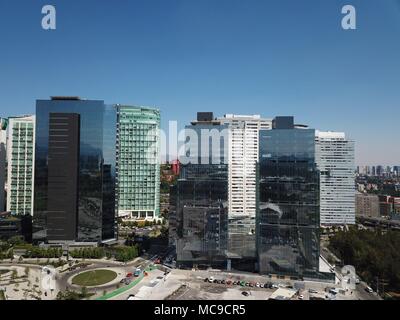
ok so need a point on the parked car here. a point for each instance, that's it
(369, 290)
(245, 293)
(301, 297)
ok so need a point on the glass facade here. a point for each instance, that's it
(138, 162)
(288, 204)
(20, 145)
(58, 122)
(202, 208)
(202, 198)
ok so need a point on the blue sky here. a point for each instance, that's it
(269, 57)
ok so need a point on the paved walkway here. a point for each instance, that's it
(125, 288)
(121, 290)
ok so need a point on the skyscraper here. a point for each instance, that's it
(202, 195)
(138, 162)
(3, 157)
(21, 160)
(74, 171)
(288, 205)
(243, 150)
(335, 160)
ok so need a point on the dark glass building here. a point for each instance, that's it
(288, 204)
(12, 225)
(202, 197)
(74, 198)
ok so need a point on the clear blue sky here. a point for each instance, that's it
(281, 57)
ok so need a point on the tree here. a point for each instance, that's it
(84, 292)
(16, 240)
(14, 274)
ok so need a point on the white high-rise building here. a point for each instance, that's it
(243, 157)
(335, 160)
(21, 159)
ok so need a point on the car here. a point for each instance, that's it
(122, 280)
(242, 283)
(228, 282)
(131, 297)
(215, 281)
(312, 291)
(245, 293)
(205, 279)
(358, 281)
(301, 297)
(274, 286)
(257, 284)
(369, 290)
(333, 291)
(129, 274)
(211, 279)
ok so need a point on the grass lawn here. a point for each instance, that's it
(94, 278)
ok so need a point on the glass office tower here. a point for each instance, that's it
(288, 204)
(138, 162)
(74, 171)
(202, 196)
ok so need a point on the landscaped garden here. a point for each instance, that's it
(94, 278)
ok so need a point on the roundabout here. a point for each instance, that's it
(95, 277)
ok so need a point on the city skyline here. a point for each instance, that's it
(269, 58)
